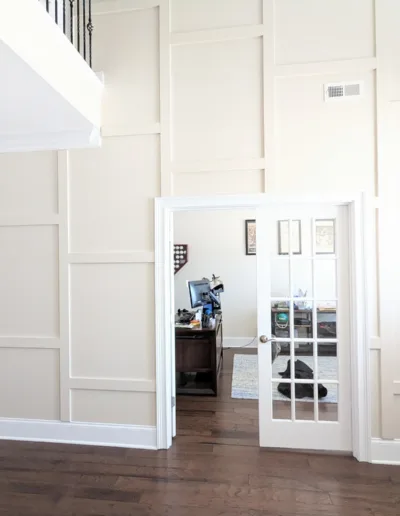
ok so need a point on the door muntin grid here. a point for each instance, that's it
(308, 325)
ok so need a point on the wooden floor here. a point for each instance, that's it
(214, 468)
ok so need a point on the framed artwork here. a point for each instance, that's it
(181, 256)
(325, 236)
(283, 237)
(251, 240)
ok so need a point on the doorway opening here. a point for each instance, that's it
(215, 312)
(317, 432)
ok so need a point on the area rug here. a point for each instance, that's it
(245, 377)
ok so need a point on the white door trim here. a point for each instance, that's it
(359, 205)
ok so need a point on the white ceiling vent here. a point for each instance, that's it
(342, 90)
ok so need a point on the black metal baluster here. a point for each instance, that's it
(78, 26)
(84, 28)
(71, 20)
(47, 5)
(64, 16)
(56, 11)
(90, 31)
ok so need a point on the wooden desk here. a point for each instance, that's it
(198, 359)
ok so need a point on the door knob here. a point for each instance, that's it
(264, 339)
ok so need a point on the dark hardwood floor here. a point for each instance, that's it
(214, 468)
(221, 419)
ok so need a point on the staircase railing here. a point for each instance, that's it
(75, 19)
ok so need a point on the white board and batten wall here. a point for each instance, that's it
(202, 96)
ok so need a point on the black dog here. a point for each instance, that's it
(302, 390)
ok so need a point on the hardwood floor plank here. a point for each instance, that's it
(214, 468)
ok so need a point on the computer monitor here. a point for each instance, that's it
(199, 293)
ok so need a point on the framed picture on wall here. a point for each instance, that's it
(283, 237)
(325, 236)
(251, 242)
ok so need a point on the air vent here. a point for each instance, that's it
(342, 90)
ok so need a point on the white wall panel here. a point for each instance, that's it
(112, 321)
(217, 107)
(323, 30)
(29, 281)
(324, 146)
(112, 192)
(113, 407)
(28, 184)
(207, 183)
(126, 49)
(29, 383)
(192, 15)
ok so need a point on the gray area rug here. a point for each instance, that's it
(245, 377)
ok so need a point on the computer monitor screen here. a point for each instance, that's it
(199, 293)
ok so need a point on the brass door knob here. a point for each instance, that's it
(264, 339)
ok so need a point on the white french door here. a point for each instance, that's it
(304, 317)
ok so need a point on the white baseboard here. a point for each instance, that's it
(385, 452)
(240, 342)
(134, 436)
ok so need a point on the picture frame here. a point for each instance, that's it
(251, 237)
(325, 236)
(283, 237)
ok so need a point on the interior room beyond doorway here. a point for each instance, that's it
(214, 243)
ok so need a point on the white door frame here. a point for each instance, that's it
(358, 205)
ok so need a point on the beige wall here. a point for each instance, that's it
(217, 246)
(223, 96)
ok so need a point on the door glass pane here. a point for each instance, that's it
(305, 409)
(302, 278)
(280, 278)
(325, 279)
(280, 319)
(326, 320)
(325, 236)
(327, 361)
(281, 404)
(281, 365)
(328, 405)
(283, 237)
(280, 353)
(304, 378)
(303, 319)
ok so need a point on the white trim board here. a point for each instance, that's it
(123, 436)
(385, 452)
(240, 342)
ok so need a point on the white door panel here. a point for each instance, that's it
(303, 299)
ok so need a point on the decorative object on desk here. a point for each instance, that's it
(283, 237)
(245, 377)
(301, 305)
(251, 237)
(325, 236)
(181, 256)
